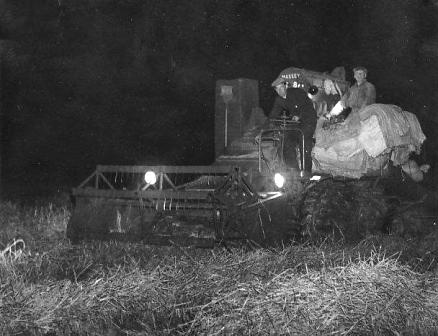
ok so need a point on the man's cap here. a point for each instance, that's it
(279, 81)
(360, 68)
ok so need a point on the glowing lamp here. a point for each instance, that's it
(279, 180)
(150, 177)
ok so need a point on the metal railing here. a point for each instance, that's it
(277, 134)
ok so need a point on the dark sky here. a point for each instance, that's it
(132, 82)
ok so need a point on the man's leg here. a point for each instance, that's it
(308, 146)
(289, 150)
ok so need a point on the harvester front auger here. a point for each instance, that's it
(184, 205)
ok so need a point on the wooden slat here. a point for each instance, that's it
(149, 194)
(88, 179)
(166, 169)
(106, 180)
(195, 208)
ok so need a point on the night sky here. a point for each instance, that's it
(89, 82)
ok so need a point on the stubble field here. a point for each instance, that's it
(385, 285)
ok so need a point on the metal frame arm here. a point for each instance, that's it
(289, 128)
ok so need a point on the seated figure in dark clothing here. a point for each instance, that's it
(299, 107)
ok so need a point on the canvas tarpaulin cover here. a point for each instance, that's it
(366, 141)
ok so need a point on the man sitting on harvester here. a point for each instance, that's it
(293, 103)
(359, 95)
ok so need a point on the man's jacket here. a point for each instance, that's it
(297, 104)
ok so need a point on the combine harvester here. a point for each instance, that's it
(247, 194)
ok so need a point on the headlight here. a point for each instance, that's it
(279, 180)
(150, 177)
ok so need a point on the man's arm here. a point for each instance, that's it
(277, 108)
(371, 94)
(345, 98)
(305, 109)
